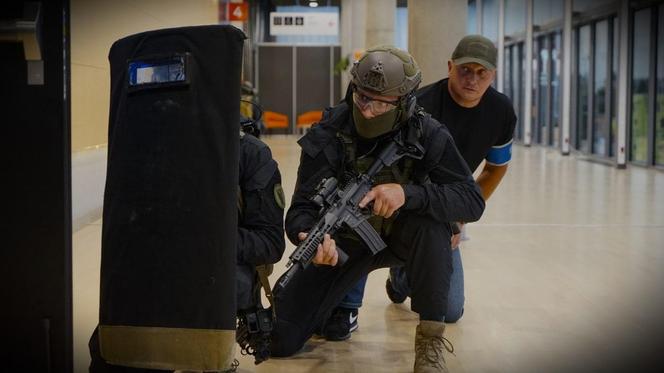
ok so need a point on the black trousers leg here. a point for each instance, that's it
(310, 297)
(425, 247)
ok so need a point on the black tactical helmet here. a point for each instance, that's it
(387, 71)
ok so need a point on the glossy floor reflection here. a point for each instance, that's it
(565, 272)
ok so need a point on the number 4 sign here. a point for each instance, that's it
(238, 11)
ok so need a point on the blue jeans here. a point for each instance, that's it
(455, 297)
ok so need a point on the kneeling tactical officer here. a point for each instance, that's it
(430, 189)
(260, 239)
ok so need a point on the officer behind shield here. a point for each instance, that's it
(412, 203)
(260, 239)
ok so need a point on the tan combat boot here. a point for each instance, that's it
(429, 347)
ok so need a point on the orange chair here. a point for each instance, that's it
(305, 120)
(275, 120)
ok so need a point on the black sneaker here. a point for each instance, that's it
(394, 294)
(342, 322)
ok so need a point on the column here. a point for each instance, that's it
(353, 35)
(380, 22)
(434, 29)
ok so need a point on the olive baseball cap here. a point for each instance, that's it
(477, 49)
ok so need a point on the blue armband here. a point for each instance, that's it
(500, 155)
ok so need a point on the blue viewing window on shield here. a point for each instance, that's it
(155, 72)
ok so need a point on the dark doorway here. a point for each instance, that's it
(36, 243)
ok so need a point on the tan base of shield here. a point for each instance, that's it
(167, 348)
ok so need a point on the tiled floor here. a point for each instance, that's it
(565, 272)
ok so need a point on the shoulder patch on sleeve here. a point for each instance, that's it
(279, 197)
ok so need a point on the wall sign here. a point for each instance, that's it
(314, 23)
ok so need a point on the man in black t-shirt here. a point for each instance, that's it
(481, 121)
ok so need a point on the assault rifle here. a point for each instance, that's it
(340, 206)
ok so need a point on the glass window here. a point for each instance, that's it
(614, 90)
(640, 77)
(535, 90)
(543, 89)
(507, 73)
(600, 87)
(583, 88)
(471, 26)
(659, 116)
(522, 88)
(490, 19)
(401, 28)
(555, 90)
(517, 86)
(515, 16)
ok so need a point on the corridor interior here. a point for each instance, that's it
(564, 272)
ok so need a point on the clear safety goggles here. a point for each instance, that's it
(375, 105)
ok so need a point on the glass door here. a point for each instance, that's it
(554, 116)
(601, 136)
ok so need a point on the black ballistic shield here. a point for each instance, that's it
(170, 218)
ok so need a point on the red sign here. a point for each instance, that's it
(238, 11)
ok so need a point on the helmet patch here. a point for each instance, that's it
(375, 78)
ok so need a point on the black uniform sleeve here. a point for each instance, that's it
(303, 212)
(451, 194)
(260, 225)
